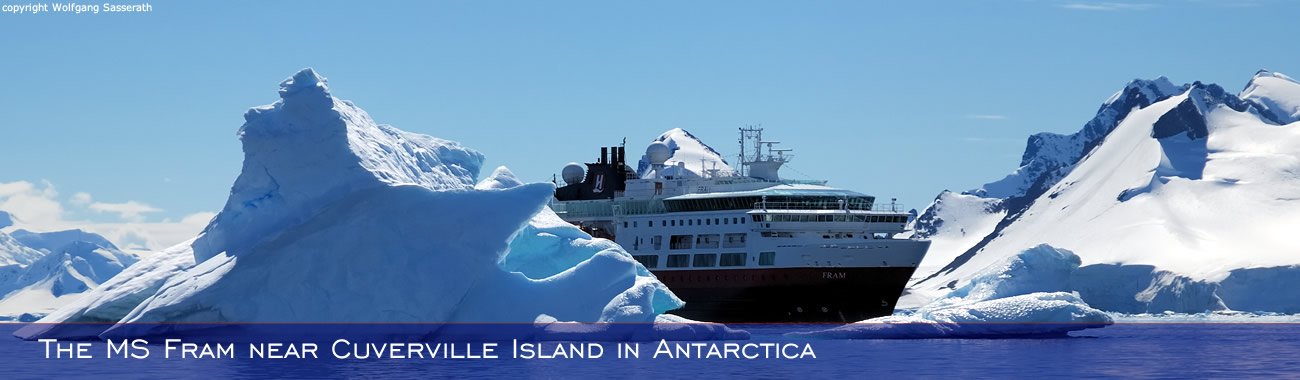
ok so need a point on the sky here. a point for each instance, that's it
(126, 124)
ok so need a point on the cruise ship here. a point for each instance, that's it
(742, 244)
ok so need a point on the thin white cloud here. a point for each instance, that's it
(198, 218)
(81, 199)
(31, 204)
(36, 207)
(129, 210)
(1107, 6)
(986, 117)
(12, 188)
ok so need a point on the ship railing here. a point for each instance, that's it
(891, 207)
(828, 205)
(579, 209)
(818, 182)
(725, 180)
(639, 207)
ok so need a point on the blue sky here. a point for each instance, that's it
(895, 99)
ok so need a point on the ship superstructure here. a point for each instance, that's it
(744, 245)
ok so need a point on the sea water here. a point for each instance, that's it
(1143, 350)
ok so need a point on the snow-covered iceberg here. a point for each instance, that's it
(1025, 295)
(335, 218)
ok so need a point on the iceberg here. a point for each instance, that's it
(1048, 315)
(1023, 296)
(337, 219)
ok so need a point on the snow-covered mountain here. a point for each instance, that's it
(41, 271)
(1176, 198)
(690, 157)
(335, 218)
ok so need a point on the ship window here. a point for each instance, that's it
(624, 224)
(652, 223)
(658, 242)
(690, 222)
(679, 261)
(634, 224)
(767, 258)
(726, 220)
(705, 260)
(715, 220)
(649, 261)
(706, 222)
(679, 242)
(733, 241)
(706, 241)
(697, 222)
(732, 260)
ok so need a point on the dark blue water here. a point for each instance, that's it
(1124, 350)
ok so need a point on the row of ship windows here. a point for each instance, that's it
(705, 260)
(773, 218)
(706, 241)
(687, 222)
(830, 218)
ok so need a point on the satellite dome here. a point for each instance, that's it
(572, 173)
(658, 152)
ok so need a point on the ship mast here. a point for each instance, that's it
(753, 161)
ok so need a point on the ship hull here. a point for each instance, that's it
(827, 294)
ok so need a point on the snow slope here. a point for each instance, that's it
(337, 219)
(41, 271)
(1276, 96)
(974, 218)
(690, 157)
(1185, 206)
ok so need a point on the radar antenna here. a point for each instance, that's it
(756, 161)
